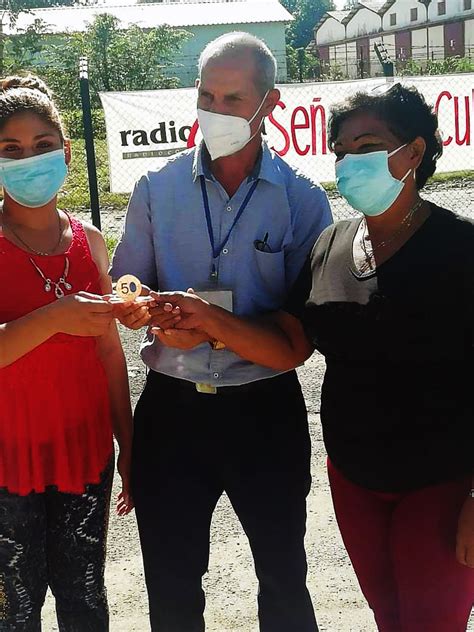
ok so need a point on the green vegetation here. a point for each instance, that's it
(75, 195)
(446, 66)
(120, 59)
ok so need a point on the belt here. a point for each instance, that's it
(166, 381)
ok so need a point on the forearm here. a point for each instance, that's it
(20, 336)
(115, 368)
(275, 340)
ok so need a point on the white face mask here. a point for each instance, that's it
(224, 134)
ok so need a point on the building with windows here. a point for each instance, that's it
(406, 29)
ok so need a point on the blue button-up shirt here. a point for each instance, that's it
(166, 244)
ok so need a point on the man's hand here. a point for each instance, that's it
(164, 315)
(181, 339)
(188, 309)
(132, 314)
(465, 534)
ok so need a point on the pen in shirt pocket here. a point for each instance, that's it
(262, 244)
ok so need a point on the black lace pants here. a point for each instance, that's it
(57, 540)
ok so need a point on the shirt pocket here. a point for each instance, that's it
(270, 279)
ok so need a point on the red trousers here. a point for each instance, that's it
(402, 548)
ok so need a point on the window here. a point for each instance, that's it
(393, 19)
(467, 5)
(442, 8)
(413, 15)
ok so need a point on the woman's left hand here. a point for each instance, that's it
(124, 499)
(465, 535)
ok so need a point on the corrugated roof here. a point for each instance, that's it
(377, 6)
(338, 15)
(373, 5)
(69, 19)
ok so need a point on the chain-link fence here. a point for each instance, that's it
(145, 128)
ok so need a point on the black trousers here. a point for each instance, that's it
(251, 442)
(59, 540)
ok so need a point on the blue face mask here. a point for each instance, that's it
(34, 181)
(366, 182)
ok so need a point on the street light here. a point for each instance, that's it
(426, 4)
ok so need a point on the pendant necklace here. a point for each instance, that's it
(49, 283)
(369, 254)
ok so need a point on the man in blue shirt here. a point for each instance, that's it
(232, 219)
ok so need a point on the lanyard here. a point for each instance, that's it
(205, 201)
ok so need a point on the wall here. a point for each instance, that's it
(402, 9)
(330, 31)
(364, 22)
(469, 38)
(454, 8)
(418, 44)
(436, 42)
(273, 34)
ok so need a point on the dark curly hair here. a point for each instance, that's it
(407, 115)
(28, 94)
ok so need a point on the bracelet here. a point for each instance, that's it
(217, 345)
(471, 493)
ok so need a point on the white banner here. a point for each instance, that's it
(145, 128)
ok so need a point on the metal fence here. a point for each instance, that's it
(453, 189)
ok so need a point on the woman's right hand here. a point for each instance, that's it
(82, 314)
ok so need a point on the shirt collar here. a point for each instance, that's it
(265, 167)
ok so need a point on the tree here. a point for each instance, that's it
(9, 13)
(306, 14)
(119, 59)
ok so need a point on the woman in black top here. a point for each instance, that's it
(389, 300)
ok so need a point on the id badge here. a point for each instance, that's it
(221, 298)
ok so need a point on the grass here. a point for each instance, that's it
(75, 195)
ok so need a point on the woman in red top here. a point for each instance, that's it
(63, 381)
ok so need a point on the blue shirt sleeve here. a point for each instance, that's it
(311, 214)
(134, 253)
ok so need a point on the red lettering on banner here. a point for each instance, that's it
(449, 96)
(314, 111)
(308, 122)
(295, 126)
(191, 142)
(467, 135)
(466, 139)
(280, 128)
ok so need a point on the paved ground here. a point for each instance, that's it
(230, 583)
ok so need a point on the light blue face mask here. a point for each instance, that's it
(366, 182)
(34, 181)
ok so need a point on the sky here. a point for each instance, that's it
(339, 4)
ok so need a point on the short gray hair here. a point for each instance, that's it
(239, 42)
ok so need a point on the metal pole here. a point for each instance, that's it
(89, 140)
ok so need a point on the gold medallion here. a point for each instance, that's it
(128, 287)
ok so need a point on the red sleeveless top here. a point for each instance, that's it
(55, 421)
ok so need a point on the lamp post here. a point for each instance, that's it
(426, 4)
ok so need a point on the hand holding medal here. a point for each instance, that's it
(132, 308)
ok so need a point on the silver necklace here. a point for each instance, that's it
(49, 283)
(406, 222)
(37, 252)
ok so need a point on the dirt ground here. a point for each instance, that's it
(230, 584)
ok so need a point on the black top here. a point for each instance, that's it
(397, 404)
